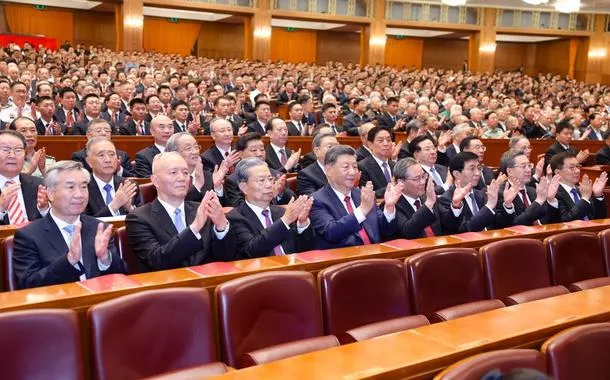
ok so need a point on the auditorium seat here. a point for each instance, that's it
(41, 344)
(9, 282)
(362, 292)
(151, 332)
(291, 182)
(148, 192)
(447, 283)
(264, 310)
(286, 350)
(576, 260)
(473, 368)
(391, 326)
(121, 241)
(200, 372)
(579, 353)
(516, 271)
(604, 240)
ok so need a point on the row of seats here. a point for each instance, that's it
(273, 315)
(577, 353)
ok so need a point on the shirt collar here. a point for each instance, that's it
(257, 210)
(160, 147)
(101, 183)
(222, 151)
(411, 201)
(567, 188)
(321, 166)
(4, 179)
(170, 209)
(277, 148)
(61, 223)
(379, 162)
(340, 195)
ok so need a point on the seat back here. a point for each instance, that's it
(41, 344)
(151, 332)
(444, 277)
(9, 282)
(604, 241)
(579, 352)
(121, 240)
(148, 192)
(362, 292)
(574, 256)
(199, 372)
(287, 350)
(513, 266)
(265, 310)
(475, 367)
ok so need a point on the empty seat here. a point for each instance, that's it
(362, 292)
(579, 353)
(201, 372)
(604, 240)
(40, 344)
(148, 192)
(475, 367)
(516, 271)
(373, 330)
(576, 261)
(286, 350)
(121, 240)
(152, 332)
(265, 310)
(447, 284)
(9, 282)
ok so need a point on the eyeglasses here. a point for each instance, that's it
(6, 150)
(480, 147)
(419, 178)
(573, 168)
(429, 149)
(524, 166)
(261, 181)
(191, 148)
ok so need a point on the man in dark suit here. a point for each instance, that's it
(378, 167)
(45, 125)
(295, 125)
(389, 118)
(463, 208)
(67, 113)
(563, 135)
(222, 134)
(458, 133)
(330, 112)
(262, 110)
(289, 94)
(161, 128)
(602, 157)
(344, 216)
(595, 123)
(22, 196)
(416, 211)
(424, 151)
(363, 150)
(92, 108)
(582, 202)
(114, 113)
(136, 124)
(181, 112)
(313, 178)
(202, 180)
(278, 156)
(251, 145)
(263, 229)
(109, 194)
(475, 145)
(64, 246)
(101, 128)
(533, 205)
(532, 129)
(355, 119)
(171, 232)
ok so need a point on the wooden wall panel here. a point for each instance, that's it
(407, 52)
(95, 28)
(168, 37)
(55, 23)
(511, 56)
(444, 53)
(297, 46)
(553, 57)
(221, 40)
(337, 47)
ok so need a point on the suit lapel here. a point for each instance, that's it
(95, 197)
(54, 235)
(88, 231)
(164, 219)
(251, 217)
(30, 192)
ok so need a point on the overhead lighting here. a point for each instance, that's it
(488, 48)
(262, 32)
(567, 6)
(377, 41)
(134, 22)
(597, 53)
(536, 2)
(454, 3)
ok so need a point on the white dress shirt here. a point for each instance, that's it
(360, 217)
(170, 211)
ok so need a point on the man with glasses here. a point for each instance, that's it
(202, 180)
(161, 128)
(463, 208)
(424, 151)
(582, 202)
(416, 211)
(22, 197)
(263, 229)
(533, 205)
(278, 156)
(475, 145)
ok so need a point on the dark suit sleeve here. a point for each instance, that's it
(143, 166)
(350, 127)
(233, 195)
(599, 208)
(411, 228)
(284, 197)
(601, 158)
(569, 211)
(305, 185)
(127, 168)
(254, 243)
(30, 270)
(331, 229)
(365, 177)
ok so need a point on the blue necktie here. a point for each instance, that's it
(475, 207)
(436, 177)
(178, 220)
(108, 190)
(70, 230)
(386, 172)
(576, 198)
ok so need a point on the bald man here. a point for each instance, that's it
(161, 128)
(170, 232)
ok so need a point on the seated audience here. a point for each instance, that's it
(475, 145)
(136, 124)
(563, 136)
(278, 156)
(222, 134)
(425, 153)
(313, 177)
(378, 168)
(35, 162)
(162, 129)
(92, 107)
(602, 157)
(364, 151)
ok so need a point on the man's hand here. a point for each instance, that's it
(293, 160)
(582, 156)
(539, 171)
(123, 196)
(242, 130)
(431, 194)
(293, 209)
(392, 195)
(234, 158)
(444, 139)
(542, 190)
(193, 127)
(215, 212)
(586, 188)
(75, 249)
(42, 161)
(510, 193)
(459, 194)
(42, 200)
(599, 184)
(305, 208)
(202, 216)
(367, 198)
(102, 238)
(218, 176)
(7, 196)
(553, 187)
(396, 150)
(279, 185)
(35, 161)
(198, 177)
(492, 194)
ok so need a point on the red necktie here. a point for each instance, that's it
(69, 119)
(524, 196)
(428, 230)
(19, 111)
(15, 212)
(363, 235)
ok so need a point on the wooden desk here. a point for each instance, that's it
(425, 351)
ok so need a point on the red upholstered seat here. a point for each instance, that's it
(475, 367)
(121, 240)
(442, 279)
(604, 240)
(148, 192)
(516, 271)
(286, 350)
(151, 332)
(40, 344)
(265, 310)
(579, 353)
(376, 329)
(575, 258)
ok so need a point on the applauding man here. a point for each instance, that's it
(263, 229)
(343, 215)
(171, 232)
(65, 246)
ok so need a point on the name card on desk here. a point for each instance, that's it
(109, 282)
(214, 269)
(471, 236)
(404, 244)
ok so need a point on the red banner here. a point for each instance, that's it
(21, 39)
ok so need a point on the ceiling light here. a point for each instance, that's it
(567, 6)
(454, 3)
(536, 2)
